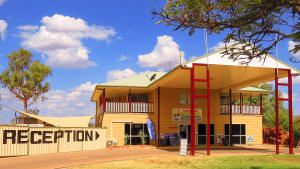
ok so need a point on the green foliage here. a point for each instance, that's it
(25, 77)
(143, 137)
(254, 24)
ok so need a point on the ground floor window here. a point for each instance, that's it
(202, 134)
(134, 132)
(238, 133)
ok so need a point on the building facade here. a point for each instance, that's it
(217, 87)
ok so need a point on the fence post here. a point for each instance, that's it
(28, 144)
(58, 141)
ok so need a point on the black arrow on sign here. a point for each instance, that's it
(97, 135)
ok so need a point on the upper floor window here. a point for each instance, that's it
(139, 97)
(184, 97)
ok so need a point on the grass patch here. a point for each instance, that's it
(202, 161)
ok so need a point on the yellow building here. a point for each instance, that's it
(123, 106)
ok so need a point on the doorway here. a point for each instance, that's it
(185, 132)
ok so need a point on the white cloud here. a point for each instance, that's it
(123, 58)
(295, 80)
(291, 47)
(28, 27)
(165, 54)
(60, 38)
(120, 74)
(3, 27)
(1, 2)
(221, 45)
(70, 102)
(80, 104)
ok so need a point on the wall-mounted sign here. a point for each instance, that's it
(182, 114)
(151, 129)
(250, 139)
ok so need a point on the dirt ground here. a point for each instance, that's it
(62, 160)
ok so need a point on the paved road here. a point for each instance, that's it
(76, 158)
(70, 159)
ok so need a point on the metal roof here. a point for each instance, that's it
(251, 89)
(140, 80)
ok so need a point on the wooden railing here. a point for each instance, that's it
(129, 107)
(246, 109)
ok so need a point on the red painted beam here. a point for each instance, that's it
(283, 99)
(104, 101)
(158, 117)
(201, 96)
(199, 64)
(192, 111)
(291, 133)
(201, 80)
(230, 118)
(241, 108)
(283, 84)
(277, 111)
(208, 112)
(260, 104)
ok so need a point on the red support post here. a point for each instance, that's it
(277, 111)
(158, 117)
(260, 104)
(104, 101)
(208, 112)
(230, 116)
(130, 101)
(241, 100)
(192, 111)
(291, 134)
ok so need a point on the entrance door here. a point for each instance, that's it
(185, 132)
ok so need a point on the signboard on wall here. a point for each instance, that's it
(182, 114)
(151, 129)
(250, 139)
(43, 140)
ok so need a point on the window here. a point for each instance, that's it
(132, 130)
(224, 100)
(202, 134)
(184, 97)
(238, 133)
(139, 97)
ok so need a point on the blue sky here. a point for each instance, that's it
(85, 42)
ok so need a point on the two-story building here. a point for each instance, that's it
(182, 102)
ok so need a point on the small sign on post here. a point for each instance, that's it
(183, 147)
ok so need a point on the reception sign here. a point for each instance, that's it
(22, 140)
(182, 114)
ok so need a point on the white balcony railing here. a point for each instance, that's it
(129, 107)
(246, 109)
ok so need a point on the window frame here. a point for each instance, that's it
(130, 136)
(240, 135)
(212, 136)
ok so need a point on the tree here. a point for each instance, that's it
(25, 77)
(258, 25)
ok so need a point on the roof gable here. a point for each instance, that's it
(218, 59)
(140, 80)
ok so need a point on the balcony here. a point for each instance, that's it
(246, 109)
(128, 107)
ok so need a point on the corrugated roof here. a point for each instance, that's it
(79, 121)
(140, 80)
(252, 89)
